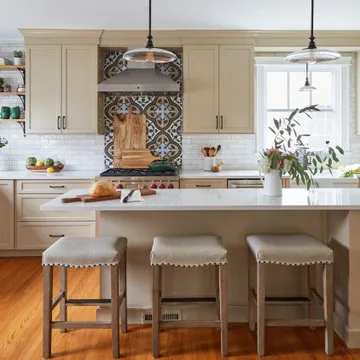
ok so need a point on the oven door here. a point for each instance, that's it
(254, 183)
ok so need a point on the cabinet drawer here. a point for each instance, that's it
(50, 186)
(28, 209)
(203, 183)
(36, 235)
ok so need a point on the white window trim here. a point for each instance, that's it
(263, 64)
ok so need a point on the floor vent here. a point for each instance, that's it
(146, 317)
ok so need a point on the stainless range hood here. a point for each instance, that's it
(139, 77)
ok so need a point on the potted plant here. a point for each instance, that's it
(18, 54)
(3, 142)
(7, 87)
(2, 80)
(287, 155)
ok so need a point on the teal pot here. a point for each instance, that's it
(15, 112)
(5, 114)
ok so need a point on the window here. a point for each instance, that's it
(278, 93)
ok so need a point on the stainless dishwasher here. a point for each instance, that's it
(244, 182)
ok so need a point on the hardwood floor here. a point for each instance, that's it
(21, 328)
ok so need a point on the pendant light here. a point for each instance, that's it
(307, 86)
(312, 54)
(149, 53)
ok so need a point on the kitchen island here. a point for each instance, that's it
(331, 215)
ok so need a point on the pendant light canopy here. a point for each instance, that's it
(149, 53)
(312, 54)
(307, 86)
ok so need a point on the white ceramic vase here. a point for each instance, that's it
(272, 183)
(17, 61)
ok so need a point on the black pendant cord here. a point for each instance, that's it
(307, 83)
(312, 37)
(149, 43)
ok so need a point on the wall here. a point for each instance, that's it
(78, 152)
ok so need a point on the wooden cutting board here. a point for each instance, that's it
(129, 133)
(140, 158)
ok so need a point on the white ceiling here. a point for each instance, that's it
(179, 14)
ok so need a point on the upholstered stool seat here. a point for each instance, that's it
(85, 252)
(290, 250)
(79, 252)
(189, 251)
(287, 249)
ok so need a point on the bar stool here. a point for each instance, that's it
(189, 251)
(290, 250)
(80, 252)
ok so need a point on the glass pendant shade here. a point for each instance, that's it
(149, 53)
(146, 54)
(312, 54)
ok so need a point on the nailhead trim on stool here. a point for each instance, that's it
(189, 251)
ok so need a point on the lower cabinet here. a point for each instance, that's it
(203, 183)
(7, 214)
(36, 229)
(36, 235)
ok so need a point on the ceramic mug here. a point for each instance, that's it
(15, 112)
(5, 112)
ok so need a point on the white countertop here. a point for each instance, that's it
(62, 175)
(221, 199)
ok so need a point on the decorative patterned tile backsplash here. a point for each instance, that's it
(163, 111)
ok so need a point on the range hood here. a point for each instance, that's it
(139, 77)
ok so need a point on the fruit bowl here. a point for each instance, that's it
(44, 168)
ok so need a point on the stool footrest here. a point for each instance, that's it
(185, 323)
(87, 302)
(282, 300)
(189, 300)
(298, 322)
(80, 324)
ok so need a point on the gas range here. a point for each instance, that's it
(135, 178)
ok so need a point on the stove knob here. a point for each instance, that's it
(170, 186)
(154, 186)
(120, 186)
(162, 186)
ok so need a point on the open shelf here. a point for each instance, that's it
(12, 120)
(11, 93)
(12, 67)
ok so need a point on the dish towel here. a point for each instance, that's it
(135, 197)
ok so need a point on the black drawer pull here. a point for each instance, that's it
(56, 187)
(56, 236)
(203, 186)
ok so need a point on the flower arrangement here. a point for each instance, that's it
(287, 154)
(3, 142)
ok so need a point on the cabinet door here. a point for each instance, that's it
(79, 88)
(7, 215)
(236, 105)
(201, 88)
(43, 88)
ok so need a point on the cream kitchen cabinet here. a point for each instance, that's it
(7, 215)
(218, 89)
(61, 89)
(37, 229)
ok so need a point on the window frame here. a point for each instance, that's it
(340, 68)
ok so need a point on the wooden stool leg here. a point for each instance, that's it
(260, 294)
(312, 303)
(123, 288)
(251, 305)
(217, 293)
(63, 287)
(47, 309)
(223, 309)
(156, 311)
(328, 308)
(115, 310)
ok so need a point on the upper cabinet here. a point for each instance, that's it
(218, 89)
(61, 85)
